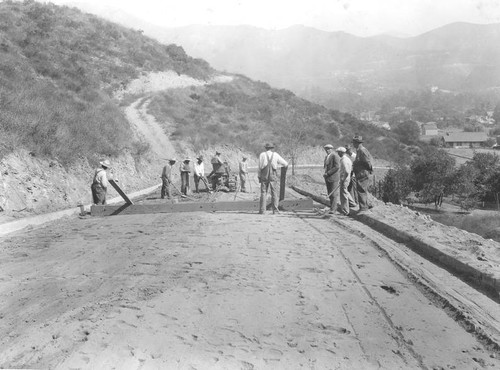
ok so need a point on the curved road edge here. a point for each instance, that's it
(17, 225)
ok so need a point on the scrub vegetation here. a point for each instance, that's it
(58, 70)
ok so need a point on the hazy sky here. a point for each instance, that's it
(359, 17)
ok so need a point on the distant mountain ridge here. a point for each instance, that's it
(459, 56)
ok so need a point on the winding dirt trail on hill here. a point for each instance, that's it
(146, 126)
(149, 128)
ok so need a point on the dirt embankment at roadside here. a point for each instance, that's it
(31, 185)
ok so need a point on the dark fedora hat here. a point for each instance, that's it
(357, 139)
(269, 146)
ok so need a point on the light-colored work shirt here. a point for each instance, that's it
(167, 172)
(243, 167)
(345, 167)
(185, 167)
(275, 160)
(199, 169)
(101, 178)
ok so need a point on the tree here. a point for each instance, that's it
(462, 184)
(408, 131)
(431, 173)
(396, 185)
(485, 165)
(294, 134)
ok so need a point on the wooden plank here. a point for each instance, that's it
(120, 191)
(282, 183)
(249, 206)
(316, 198)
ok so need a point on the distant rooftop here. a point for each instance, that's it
(465, 137)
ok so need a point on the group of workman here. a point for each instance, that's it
(346, 176)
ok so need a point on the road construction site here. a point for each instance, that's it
(151, 287)
(238, 290)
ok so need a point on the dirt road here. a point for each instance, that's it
(175, 291)
(147, 126)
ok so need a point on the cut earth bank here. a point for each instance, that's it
(31, 185)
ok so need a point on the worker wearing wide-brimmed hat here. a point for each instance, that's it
(166, 178)
(100, 183)
(243, 166)
(199, 174)
(332, 176)
(362, 168)
(185, 170)
(268, 165)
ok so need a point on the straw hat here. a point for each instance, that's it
(105, 163)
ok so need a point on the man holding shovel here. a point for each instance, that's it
(332, 176)
(199, 174)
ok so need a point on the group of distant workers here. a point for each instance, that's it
(218, 177)
(346, 176)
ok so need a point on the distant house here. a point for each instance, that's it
(464, 139)
(429, 129)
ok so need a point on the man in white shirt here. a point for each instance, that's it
(268, 166)
(346, 199)
(199, 174)
(99, 185)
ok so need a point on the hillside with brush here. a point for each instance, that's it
(58, 71)
(248, 113)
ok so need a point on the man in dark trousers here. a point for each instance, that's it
(166, 179)
(185, 170)
(217, 170)
(332, 176)
(99, 185)
(362, 168)
(268, 167)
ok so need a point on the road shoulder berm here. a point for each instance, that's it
(479, 273)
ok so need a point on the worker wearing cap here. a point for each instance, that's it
(268, 165)
(243, 173)
(346, 200)
(100, 183)
(332, 176)
(185, 170)
(199, 174)
(166, 178)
